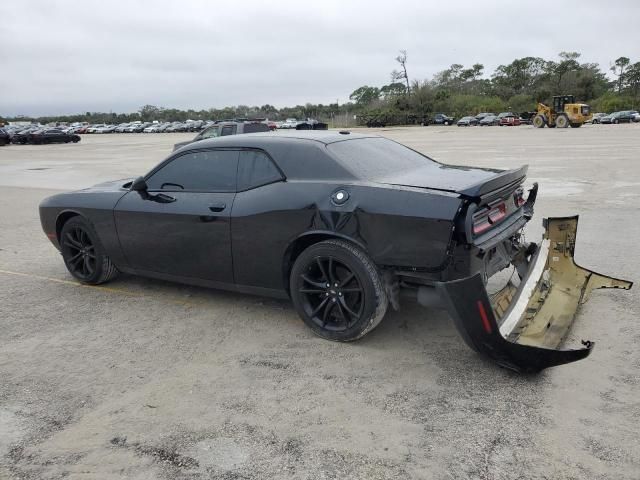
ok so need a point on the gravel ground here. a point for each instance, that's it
(144, 379)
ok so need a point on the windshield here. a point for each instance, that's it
(377, 158)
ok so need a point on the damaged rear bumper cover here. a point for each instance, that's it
(521, 326)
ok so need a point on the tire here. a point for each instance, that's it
(355, 301)
(83, 254)
(538, 121)
(562, 121)
(615, 121)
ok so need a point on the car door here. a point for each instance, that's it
(181, 225)
(260, 231)
(52, 136)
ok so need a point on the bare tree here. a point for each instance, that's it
(618, 68)
(401, 74)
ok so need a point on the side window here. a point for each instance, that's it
(209, 171)
(228, 130)
(255, 168)
(209, 133)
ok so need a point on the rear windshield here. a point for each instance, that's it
(377, 158)
(255, 127)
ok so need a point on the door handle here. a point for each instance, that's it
(217, 207)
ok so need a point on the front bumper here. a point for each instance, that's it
(521, 326)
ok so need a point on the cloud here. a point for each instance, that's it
(70, 56)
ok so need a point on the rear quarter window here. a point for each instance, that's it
(255, 169)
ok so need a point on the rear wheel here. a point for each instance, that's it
(83, 254)
(538, 121)
(562, 121)
(337, 291)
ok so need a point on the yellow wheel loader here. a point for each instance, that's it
(564, 113)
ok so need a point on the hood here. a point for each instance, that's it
(110, 186)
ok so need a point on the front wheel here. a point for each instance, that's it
(83, 254)
(562, 121)
(616, 121)
(337, 291)
(538, 121)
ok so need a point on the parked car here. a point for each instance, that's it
(289, 123)
(442, 119)
(624, 116)
(595, 119)
(467, 122)
(93, 128)
(21, 136)
(510, 121)
(153, 128)
(339, 223)
(489, 120)
(51, 135)
(225, 129)
(479, 117)
(5, 138)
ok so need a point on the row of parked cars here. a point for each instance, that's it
(513, 119)
(36, 135)
(488, 119)
(624, 116)
(142, 127)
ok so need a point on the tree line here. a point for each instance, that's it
(457, 91)
(517, 86)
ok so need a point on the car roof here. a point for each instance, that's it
(254, 139)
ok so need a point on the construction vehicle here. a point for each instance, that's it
(564, 112)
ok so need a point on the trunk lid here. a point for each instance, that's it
(471, 182)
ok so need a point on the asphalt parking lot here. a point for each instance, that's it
(144, 379)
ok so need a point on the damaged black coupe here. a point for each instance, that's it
(343, 225)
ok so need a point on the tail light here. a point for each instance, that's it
(489, 216)
(518, 197)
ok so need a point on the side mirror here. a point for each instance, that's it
(139, 185)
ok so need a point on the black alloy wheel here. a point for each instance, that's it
(79, 253)
(337, 290)
(332, 295)
(83, 254)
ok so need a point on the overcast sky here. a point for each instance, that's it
(59, 57)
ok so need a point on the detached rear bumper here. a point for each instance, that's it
(521, 327)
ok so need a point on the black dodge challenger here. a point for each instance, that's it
(344, 225)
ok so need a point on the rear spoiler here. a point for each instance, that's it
(501, 181)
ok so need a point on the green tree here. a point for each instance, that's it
(365, 95)
(618, 68)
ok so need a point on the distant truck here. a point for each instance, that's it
(223, 129)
